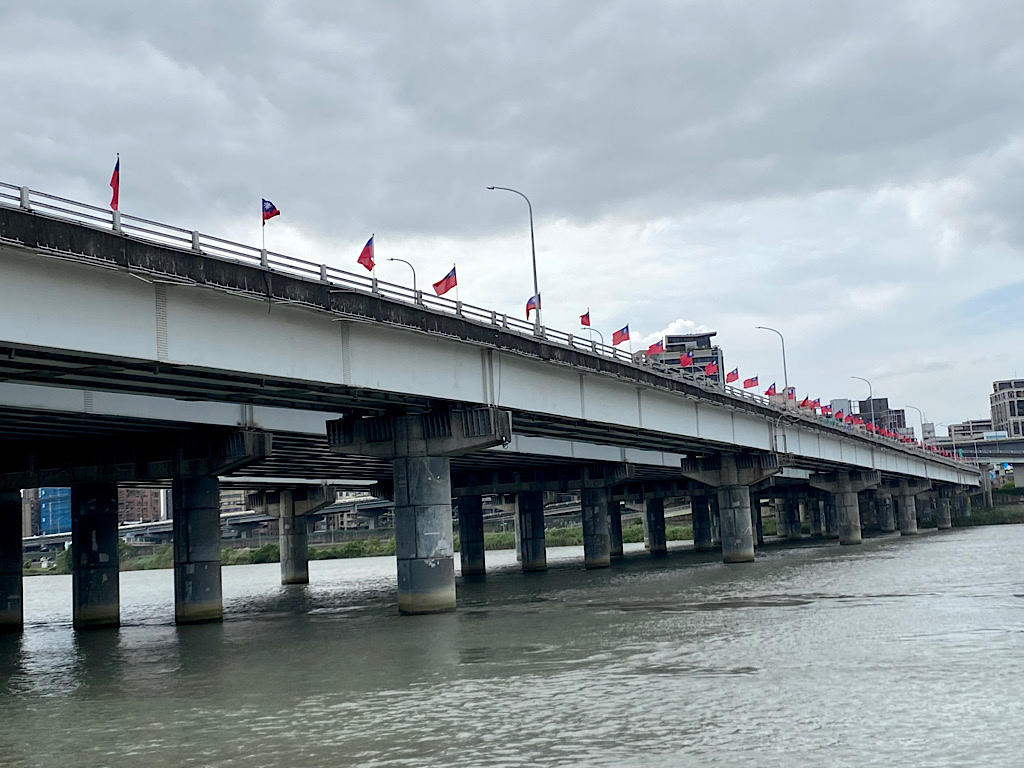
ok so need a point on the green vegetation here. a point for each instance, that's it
(997, 516)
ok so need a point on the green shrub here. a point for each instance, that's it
(1000, 516)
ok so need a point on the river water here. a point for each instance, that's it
(905, 652)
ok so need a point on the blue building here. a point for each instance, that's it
(54, 510)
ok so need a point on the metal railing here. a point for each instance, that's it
(218, 248)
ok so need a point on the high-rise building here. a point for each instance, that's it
(30, 512)
(54, 510)
(138, 505)
(969, 431)
(1006, 404)
(699, 346)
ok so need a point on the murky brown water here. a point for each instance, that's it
(904, 652)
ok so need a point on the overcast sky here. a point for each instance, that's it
(849, 173)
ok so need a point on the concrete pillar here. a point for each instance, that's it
(197, 585)
(793, 517)
(831, 516)
(700, 511)
(884, 512)
(943, 517)
(781, 518)
(737, 533)
(530, 513)
(95, 592)
(11, 597)
(908, 514)
(654, 526)
(471, 536)
(716, 520)
(596, 539)
(848, 511)
(293, 539)
(615, 529)
(755, 519)
(814, 516)
(424, 539)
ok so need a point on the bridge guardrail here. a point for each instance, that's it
(218, 248)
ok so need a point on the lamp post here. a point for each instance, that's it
(413, 272)
(785, 374)
(533, 252)
(593, 330)
(949, 434)
(920, 414)
(871, 397)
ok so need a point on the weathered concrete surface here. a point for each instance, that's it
(95, 589)
(737, 533)
(532, 546)
(700, 508)
(596, 538)
(654, 526)
(197, 582)
(471, 536)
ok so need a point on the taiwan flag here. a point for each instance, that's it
(826, 410)
(585, 318)
(711, 368)
(686, 359)
(532, 305)
(816, 403)
(115, 185)
(366, 256)
(269, 211)
(839, 414)
(805, 403)
(446, 283)
(748, 383)
(858, 421)
(656, 348)
(620, 335)
(848, 419)
(771, 390)
(732, 376)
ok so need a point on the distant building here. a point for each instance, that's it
(30, 512)
(895, 420)
(969, 431)
(138, 505)
(699, 345)
(1006, 404)
(54, 510)
(233, 500)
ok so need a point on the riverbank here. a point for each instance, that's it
(163, 555)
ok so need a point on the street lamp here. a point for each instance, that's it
(533, 253)
(593, 330)
(920, 414)
(413, 272)
(949, 434)
(785, 374)
(871, 397)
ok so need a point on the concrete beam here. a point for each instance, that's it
(445, 432)
(563, 478)
(731, 469)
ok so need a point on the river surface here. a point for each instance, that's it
(900, 652)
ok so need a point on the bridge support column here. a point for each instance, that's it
(831, 516)
(845, 485)
(293, 538)
(595, 505)
(755, 518)
(197, 584)
(95, 591)
(11, 604)
(615, 529)
(424, 539)
(943, 518)
(654, 526)
(813, 514)
(700, 512)
(884, 512)
(733, 475)
(471, 536)
(792, 507)
(781, 518)
(532, 546)
(716, 521)
(908, 515)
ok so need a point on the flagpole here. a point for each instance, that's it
(263, 225)
(456, 284)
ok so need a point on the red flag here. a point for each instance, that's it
(771, 390)
(655, 349)
(532, 304)
(816, 403)
(366, 256)
(839, 414)
(858, 421)
(732, 376)
(620, 335)
(686, 359)
(806, 402)
(585, 318)
(751, 382)
(115, 184)
(791, 394)
(826, 410)
(711, 368)
(446, 283)
(848, 419)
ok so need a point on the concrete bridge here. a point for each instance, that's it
(132, 352)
